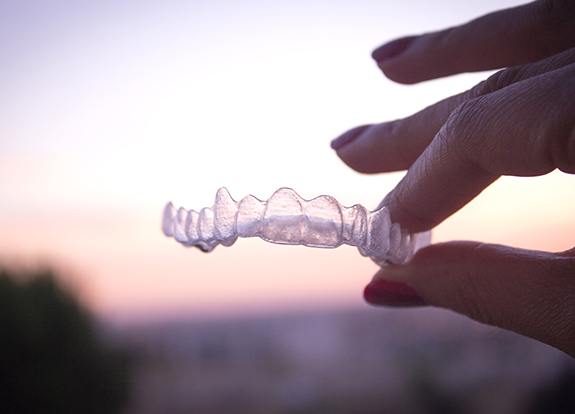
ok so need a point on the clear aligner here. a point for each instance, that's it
(286, 218)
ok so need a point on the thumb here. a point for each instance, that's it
(529, 292)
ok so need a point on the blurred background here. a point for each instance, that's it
(110, 109)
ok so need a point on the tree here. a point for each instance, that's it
(52, 359)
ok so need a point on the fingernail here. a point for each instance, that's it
(392, 49)
(348, 137)
(385, 292)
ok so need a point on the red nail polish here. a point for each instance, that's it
(348, 137)
(385, 292)
(392, 49)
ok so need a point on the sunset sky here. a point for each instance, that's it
(109, 109)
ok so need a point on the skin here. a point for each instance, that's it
(519, 122)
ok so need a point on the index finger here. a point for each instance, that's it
(525, 129)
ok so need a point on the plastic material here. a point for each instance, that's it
(286, 218)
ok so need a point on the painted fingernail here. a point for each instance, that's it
(392, 49)
(348, 137)
(390, 293)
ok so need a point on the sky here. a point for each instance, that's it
(110, 109)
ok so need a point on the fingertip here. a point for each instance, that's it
(372, 148)
(348, 137)
(399, 73)
(390, 60)
(392, 49)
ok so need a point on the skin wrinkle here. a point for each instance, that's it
(558, 316)
(502, 79)
(542, 308)
(482, 287)
(527, 139)
(538, 134)
(569, 306)
(552, 140)
(520, 121)
(479, 276)
(409, 148)
(406, 210)
(396, 205)
(474, 295)
(503, 156)
(538, 318)
(403, 140)
(561, 139)
(473, 286)
(446, 150)
(465, 128)
(464, 281)
(469, 141)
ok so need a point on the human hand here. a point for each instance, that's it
(521, 122)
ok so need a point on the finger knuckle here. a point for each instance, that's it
(562, 149)
(457, 134)
(498, 80)
(461, 116)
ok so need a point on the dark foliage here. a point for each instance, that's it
(51, 358)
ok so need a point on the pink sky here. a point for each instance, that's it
(109, 111)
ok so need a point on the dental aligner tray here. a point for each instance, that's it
(286, 218)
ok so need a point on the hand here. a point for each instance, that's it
(521, 122)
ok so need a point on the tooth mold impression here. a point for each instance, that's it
(286, 218)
